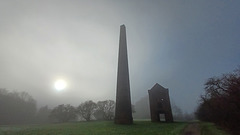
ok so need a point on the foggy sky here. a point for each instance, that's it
(178, 44)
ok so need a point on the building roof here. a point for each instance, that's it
(157, 87)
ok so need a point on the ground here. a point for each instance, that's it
(96, 128)
(109, 128)
(192, 129)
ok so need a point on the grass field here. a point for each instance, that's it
(211, 129)
(96, 128)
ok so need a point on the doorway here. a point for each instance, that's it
(162, 117)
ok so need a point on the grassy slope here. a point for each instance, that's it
(211, 129)
(96, 128)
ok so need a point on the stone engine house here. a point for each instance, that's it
(160, 103)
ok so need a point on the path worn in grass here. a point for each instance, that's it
(192, 129)
(203, 128)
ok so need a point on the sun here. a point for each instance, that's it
(60, 85)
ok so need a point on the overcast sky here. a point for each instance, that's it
(176, 43)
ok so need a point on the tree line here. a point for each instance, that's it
(88, 110)
(16, 107)
(20, 108)
(221, 102)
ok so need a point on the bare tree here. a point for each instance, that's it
(63, 113)
(86, 109)
(105, 110)
(142, 108)
(42, 115)
(221, 101)
(177, 112)
(16, 107)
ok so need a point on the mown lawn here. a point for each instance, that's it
(96, 128)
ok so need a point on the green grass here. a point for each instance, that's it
(211, 129)
(96, 128)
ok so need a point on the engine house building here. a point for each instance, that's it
(160, 104)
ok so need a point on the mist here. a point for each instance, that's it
(174, 43)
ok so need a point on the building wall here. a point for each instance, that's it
(160, 103)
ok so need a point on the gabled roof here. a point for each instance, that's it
(157, 87)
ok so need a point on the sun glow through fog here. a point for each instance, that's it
(60, 85)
